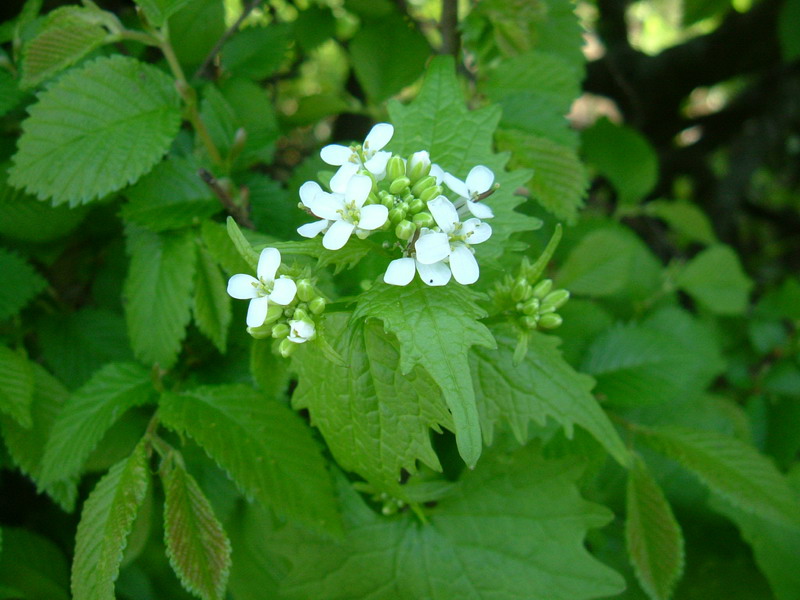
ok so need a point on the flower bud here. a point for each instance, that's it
(396, 215)
(430, 193)
(281, 330)
(395, 168)
(423, 184)
(530, 321)
(260, 333)
(405, 229)
(286, 347)
(317, 305)
(305, 291)
(399, 185)
(419, 165)
(371, 199)
(521, 290)
(423, 219)
(374, 188)
(300, 315)
(388, 201)
(543, 288)
(408, 197)
(550, 321)
(531, 307)
(416, 205)
(555, 299)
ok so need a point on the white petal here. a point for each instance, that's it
(436, 274)
(358, 189)
(420, 158)
(476, 231)
(257, 311)
(268, 264)
(336, 155)
(337, 235)
(480, 210)
(327, 206)
(465, 267)
(438, 173)
(310, 230)
(455, 184)
(399, 272)
(480, 179)
(373, 216)
(308, 192)
(284, 290)
(432, 248)
(300, 331)
(444, 213)
(377, 164)
(342, 176)
(242, 287)
(378, 137)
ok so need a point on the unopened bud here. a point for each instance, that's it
(531, 307)
(530, 321)
(399, 185)
(396, 215)
(423, 184)
(521, 290)
(405, 229)
(372, 198)
(430, 193)
(395, 168)
(281, 330)
(317, 305)
(408, 197)
(419, 165)
(555, 299)
(286, 348)
(423, 219)
(260, 333)
(300, 315)
(550, 321)
(416, 205)
(543, 288)
(305, 291)
(388, 201)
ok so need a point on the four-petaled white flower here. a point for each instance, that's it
(309, 192)
(479, 181)
(263, 290)
(347, 213)
(368, 155)
(301, 331)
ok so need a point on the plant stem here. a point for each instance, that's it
(203, 68)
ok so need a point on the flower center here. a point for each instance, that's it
(264, 288)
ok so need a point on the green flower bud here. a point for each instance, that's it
(371, 199)
(416, 205)
(281, 330)
(423, 219)
(399, 185)
(286, 348)
(531, 307)
(317, 305)
(396, 215)
(423, 184)
(521, 290)
(530, 321)
(408, 197)
(550, 321)
(555, 299)
(418, 166)
(431, 193)
(395, 168)
(305, 291)
(405, 229)
(260, 333)
(300, 315)
(388, 201)
(543, 288)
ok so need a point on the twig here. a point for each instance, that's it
(202, 70)
(448, 25)
(239, 213)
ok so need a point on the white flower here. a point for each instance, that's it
(368, 155)
(438, 173)
(300, 331)
(479, 181)
(401, 272)
(263, 290)
(310, 191)
(347, 213)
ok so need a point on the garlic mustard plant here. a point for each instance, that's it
(264, 289)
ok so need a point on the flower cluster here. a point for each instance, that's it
(375, 191)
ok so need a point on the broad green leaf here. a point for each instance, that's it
(32, 566)
(653, 537)
(26, 446)
(88, 414)
(314, 26)
(158, 293)
(257, 568)
(195, 29)
(21, 283)
(542, 386)
(436, 327)
(220, 246)
(106, 521)
(375, 419)
(345, 258)
(158, 11)
(219, 118)
(255, 114)
(67, 35)
(468, 142)
(10, 94)
(212, 305)
(732, 469)
(257, 52)
(16, 386)
(513, 528)
(242, 245)
(269, 370)
(75, 345)
(685, 218)
(171, 196)
(264, 446)
(198, 549)
(97, 129)
(715, 279)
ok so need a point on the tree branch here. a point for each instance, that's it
(448, 26)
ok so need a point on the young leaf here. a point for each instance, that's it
(31, 566)
(212, 305)
(198, 549)
(257, 52)
(88, 414)
(106, 521)
(16, 386)
(264, 446)
(685, 218)
(97, 129)
(158, 11)
(513, 528)
(345, 258)
(732, 469)
(716, 280)
(436, 327)
(241, 244)
(158, 293)
(10, 94)
(375, 420)
(542, 386)
(21, 283)
(652, 535)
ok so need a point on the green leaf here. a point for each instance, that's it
(257, 569)
(21, 283)
(685, 218)
(787, 33)
(652, 535)
(265, 447)
(212, 305)
(171, 196)
(436, 327)
(257, 52)
(198, 549)
(241, 244)
(716, 280)
(158, 293)
(219, 118)
(106, 521)
(219, 244)
(375, 420)
(87, 416)
(10, 94)
(732, 469)
(468, 142)
(26, 446)
(97, 129)
(16, 386)
(542, 386)
(255, 113)
(344, 258)
(67, 34)
(513, 528)
(32, 566)
(195, 29)
(158, 11)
